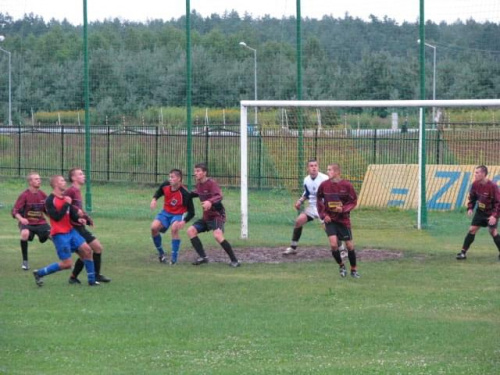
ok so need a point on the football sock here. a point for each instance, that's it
(24, 249)
(157, 242)
(352, 258)
(229, 250)
(77, 268)
(176, 244)
(89, 267)
(337, 257)
(297, 232)
(97, 263)
(51, 268)
(198, 247)
(469, 239)
(496, 239)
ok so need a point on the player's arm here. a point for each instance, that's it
(158, 194)
(495, 214)
(320, 204)
(352, 201)
(471, 203)
(188, 202)
(303, 198)
(53, 212)
(19, 208)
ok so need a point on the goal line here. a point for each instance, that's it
(420, 104)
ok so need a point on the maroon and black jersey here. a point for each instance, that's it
(76, 196)
(487, 197)
(61, 214)
(210, 191)
(336, 194)
(31, 206)
(176, 202)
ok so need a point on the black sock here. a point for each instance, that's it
(97, 263)
(24, 250)
(337, 257)
(195, 241)
(496, 239)
(229, 250)
(469, 239)
(297, 232)
(352, 258)
(78, 268)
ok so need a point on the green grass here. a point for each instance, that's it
(425, 313)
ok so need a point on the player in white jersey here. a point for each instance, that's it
(311, 185)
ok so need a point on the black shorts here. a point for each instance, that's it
(87, 235)
(480, 219)
(341, 231)
(42, 231)
(206, 226)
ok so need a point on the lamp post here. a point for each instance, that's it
(433, 80)
(10, 80)
(243, 44)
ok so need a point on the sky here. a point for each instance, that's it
(143, 10)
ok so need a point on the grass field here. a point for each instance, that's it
(424, 313)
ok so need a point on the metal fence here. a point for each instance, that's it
(146, 154)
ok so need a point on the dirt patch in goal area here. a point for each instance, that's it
(275, 255)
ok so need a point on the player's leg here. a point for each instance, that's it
(25, 235)
(96, 247)
(297, 233)
(331, 232)
(63, 248)
(218, 232)
(159, 225)
(83, 249)
(469, 239)
(192, 232)
(351, 254)
(496, 237)
(177, 225)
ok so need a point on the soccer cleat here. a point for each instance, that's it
(103, 279)
(355, 274)
(342, 271)
(173, 263)
(200, 260)
(235, 264)
(38, 279)
(95, 283)
(74, 280)
(290, 251)
(461, 256)
(162, 259)
(25, 265)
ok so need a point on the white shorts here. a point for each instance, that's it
(312, 211)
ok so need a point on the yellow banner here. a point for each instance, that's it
(396, 185)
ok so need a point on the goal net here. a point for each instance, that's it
(394, 152)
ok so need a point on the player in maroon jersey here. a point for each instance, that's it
(77, 179)
(485, 195)
(29, 211)
(214, 216)
(177, 210)
(336, 199)
(66, 239)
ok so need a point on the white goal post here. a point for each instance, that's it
(245, 104)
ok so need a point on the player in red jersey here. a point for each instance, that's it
(177, 210)
(66, 238)
(214, 216)
(485, 195)
(77, 179)
(336, 199)
(29, 211)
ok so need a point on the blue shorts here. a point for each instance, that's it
(67, 243)
(166, 219)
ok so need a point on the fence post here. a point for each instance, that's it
(62, 150)
(19, 151)
(108, 152)
(206, 144)
(375, 146)
(157, 140)
(260, 159)
(438, 146)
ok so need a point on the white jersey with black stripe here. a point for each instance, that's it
(311, 186)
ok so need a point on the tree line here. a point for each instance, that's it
(136, 66)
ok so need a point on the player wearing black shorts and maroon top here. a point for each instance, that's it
(177, 210)
(214, 216)
(29, 211)
(77, 179)
(485, 195)
(336, 199)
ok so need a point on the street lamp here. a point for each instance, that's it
(2, 38)
(243, 44)
(433, 79)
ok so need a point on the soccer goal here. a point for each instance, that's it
(350, 122)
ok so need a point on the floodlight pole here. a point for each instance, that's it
(243, 44)
(10, 81)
